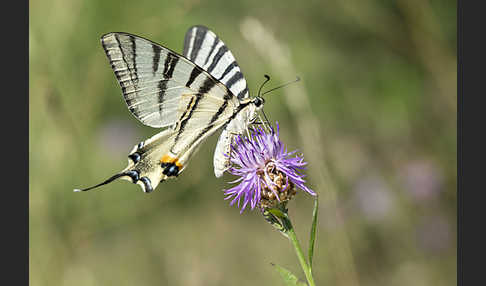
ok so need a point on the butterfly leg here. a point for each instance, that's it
(265, 122)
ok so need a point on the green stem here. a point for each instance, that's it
(298, 250)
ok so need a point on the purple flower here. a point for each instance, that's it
(268, 173)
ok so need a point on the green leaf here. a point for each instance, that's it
(274, 221)
(313, 231)
(289, 278)
(276, 212)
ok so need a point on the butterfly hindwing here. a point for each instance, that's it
(166, 154)
(235, 127)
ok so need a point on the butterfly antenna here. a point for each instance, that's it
(285, 84)
(267, 78)
(109, 180)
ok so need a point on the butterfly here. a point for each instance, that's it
(191, 95)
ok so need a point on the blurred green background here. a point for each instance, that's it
(378, 90)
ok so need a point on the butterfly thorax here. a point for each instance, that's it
(245, 116)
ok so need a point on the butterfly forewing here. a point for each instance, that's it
(206, 50)
(153, 78)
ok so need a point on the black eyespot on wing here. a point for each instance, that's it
(134, 175)
(170, 169)
(135, 157)
(173, 170)
(148, 185)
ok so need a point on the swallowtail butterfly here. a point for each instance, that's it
(191, 95)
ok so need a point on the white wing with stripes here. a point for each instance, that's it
(153, 78)
(206, 50)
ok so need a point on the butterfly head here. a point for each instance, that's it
(258, 102)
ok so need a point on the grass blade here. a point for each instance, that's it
(313, 231)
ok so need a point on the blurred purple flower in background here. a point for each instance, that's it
(373, 197)
(422, 180)
(268, 173)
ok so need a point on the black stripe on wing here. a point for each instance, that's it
(215, 117)
(215, 43)
(205, 88)
(194, 74)
(228, 69)
(134, 74)
(169, 67)
(219, 61)
(155, 64)
(234, 79)
(216, 59)
(198, 41)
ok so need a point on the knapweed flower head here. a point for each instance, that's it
(268, 173)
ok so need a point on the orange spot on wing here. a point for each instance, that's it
(169, 159)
